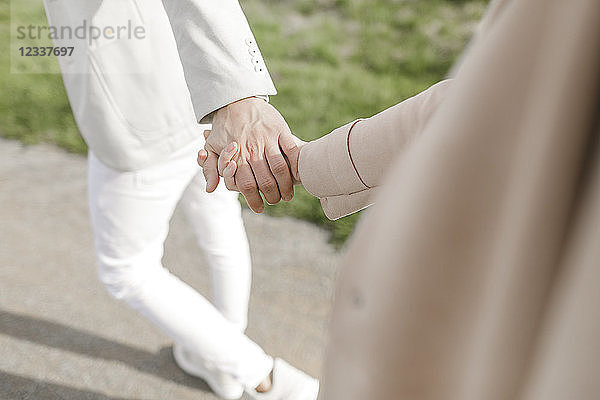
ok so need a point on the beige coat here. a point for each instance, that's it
(476, 275)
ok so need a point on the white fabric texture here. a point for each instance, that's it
(220, 57)
(130, 214)
(113, 83)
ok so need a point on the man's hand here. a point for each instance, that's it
(262, 135)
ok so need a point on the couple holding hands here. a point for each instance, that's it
(472, 277)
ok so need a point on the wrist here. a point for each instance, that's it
(262, 97)
(249, 98)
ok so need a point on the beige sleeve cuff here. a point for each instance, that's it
(342, 167)
(325, 166)
(336, 207)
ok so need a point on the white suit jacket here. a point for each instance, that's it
(129, 95)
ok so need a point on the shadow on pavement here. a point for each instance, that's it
(63, 337)
(18, 387)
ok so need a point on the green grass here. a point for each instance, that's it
(332, 61)
(335, 60)
(33, 105)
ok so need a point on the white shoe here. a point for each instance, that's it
(221, 383)
(289, 383)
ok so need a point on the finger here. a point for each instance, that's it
(211, 173)
(291, 151)
(247, 185)
(202, 157)
(226, 156)
(265, 180)
(281, 172)
(228, 176)
(206, 133)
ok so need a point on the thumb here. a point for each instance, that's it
(291, 150)
(211, 172)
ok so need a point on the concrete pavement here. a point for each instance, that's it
(63, 337)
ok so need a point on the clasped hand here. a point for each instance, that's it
(252, 147)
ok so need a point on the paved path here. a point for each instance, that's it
(63, 337)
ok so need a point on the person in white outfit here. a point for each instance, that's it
(128, 93)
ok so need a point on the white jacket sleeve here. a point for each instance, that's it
(220, 57)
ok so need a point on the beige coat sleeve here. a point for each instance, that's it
(344, 168)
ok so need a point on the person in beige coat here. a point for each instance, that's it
(475, 275)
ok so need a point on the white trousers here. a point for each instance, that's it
(130, 213)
